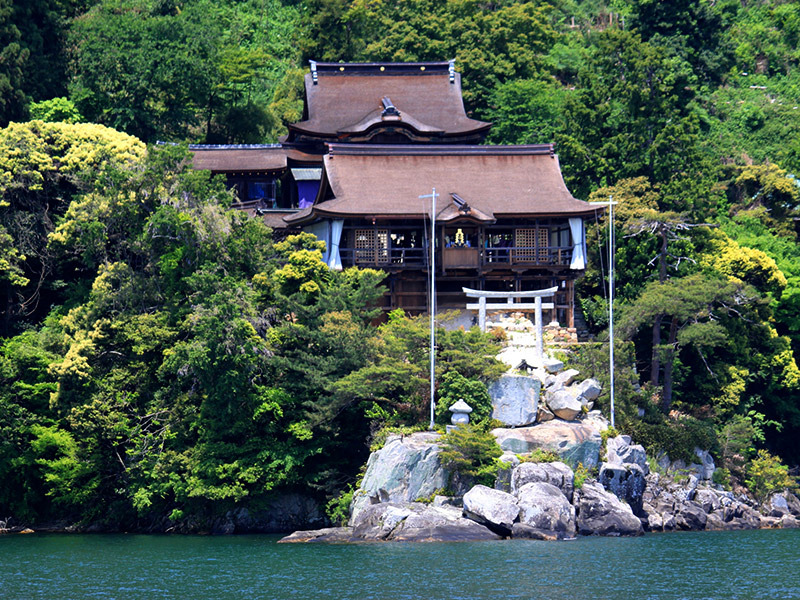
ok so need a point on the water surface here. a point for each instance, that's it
(712, 565)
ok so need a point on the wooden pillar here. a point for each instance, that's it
(571, 303)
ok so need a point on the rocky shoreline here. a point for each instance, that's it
(540, 500)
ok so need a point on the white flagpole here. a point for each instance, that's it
(610, 203)
(432, 242)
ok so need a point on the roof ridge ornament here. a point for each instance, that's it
(314, 75)
(451, 69)
(461, 203)
(389, 109)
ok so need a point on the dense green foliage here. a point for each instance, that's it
(471, 453)
(162, 358)
(180, 362)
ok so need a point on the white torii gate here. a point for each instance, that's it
(509, 304)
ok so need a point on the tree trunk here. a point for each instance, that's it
(655, 359)
(669, 364)
(662, 254)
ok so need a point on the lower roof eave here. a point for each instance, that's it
(547, 215)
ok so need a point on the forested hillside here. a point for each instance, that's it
(162, 357)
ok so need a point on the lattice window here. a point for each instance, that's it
(382, 247)
(371, 245)
(532, 244)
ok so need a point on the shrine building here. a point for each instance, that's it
(358, 171)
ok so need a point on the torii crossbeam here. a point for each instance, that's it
(509, 305)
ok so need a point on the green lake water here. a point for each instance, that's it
(723, 565)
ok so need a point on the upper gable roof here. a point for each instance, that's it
(231, 158)
(345, 100)
(494, 181)
(238, 158)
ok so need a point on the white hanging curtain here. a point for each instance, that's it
(335, 259)
(578, 260)
(322, 231)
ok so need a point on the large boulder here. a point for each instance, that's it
(378, 521)
(544, 414)
(551, 365)
(543, 507)
(405, 469)
(625, 481)
(555, 473)
(495, 509)
(329, 534)
(709, 500)
(413, 522)
(564, 405)
(565, 378)
(515, 399)
(776, 506)
(602, 513)
(793, 502)
(691, 517)
(620, 451)
(573, 442)
(706, 467)
(440, 524)
(589, 389)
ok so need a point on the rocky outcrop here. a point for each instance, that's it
(703, 468)
(412, 522)
(286, 512)
(574, 442)
(536, 500)
(602, 513)
(329, 534)
(405, 469)
(623, 473)
(620, 451)
(625, 481)
(793, 503)
(689, 505)
(515, 399)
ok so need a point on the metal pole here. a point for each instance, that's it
(610, 203)
(433, 304)
(611, 298)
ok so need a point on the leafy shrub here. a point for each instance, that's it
(766, 474)
(581, 475)
(429, 499)
(722, 476)
(338, 508)
(738, 438)
(455, 387)
(471, 453)
(539, 455)
(677, 437)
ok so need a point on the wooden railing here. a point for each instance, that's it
(452, 258)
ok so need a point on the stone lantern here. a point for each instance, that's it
(460, 412)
